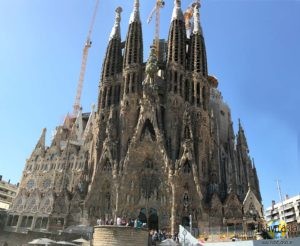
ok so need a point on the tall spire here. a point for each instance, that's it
(41, 143)
(133, 54)
(135, 15)
(241, 138)
(177, 37)
(196, 16)
(115, 32)
(177, 12)
(112, 67)
(197, 61)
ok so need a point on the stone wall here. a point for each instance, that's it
(119, 235)
(18, 239)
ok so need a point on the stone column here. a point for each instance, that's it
(174, 209)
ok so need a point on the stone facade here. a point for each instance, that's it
(119, 235)
(160, 146)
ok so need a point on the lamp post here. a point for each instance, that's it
(184, 234)
(191, 224)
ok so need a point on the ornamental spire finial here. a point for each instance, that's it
(115, 32)
(151, 66)
(177, 12)
(196, 16)
(135, 15)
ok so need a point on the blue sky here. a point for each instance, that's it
(252, 48)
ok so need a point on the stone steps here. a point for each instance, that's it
(119, 235)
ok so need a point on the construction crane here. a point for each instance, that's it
(156, 10)
(188, 15)
(87, 45)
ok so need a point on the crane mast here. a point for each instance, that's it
(156, 10)
(87, 45)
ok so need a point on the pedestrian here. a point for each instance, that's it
(98, 221)
(118, 221)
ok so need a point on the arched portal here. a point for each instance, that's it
(153, 219)
(142, 216)
(185, 221)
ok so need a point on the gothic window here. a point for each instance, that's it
(109, 96)
(170, 80)
(198, 94)
(38, 223)
(148, 127)
(9, 221)
(180, 85)
(176, 45)
(117, 94)
(193, 94)
(15, 220)
(43, 223)
(148, 164)
(23, 223)
(107, 166)
(107, 201)
(128, 142)
(46, 183)
(187, 133)
(186, 201)
(187, 167)
(149, 181)
(204, 96)
(175, 82)
(104, 97)
(133, 82)
(186, 198)
(29, 221)
(127, 79)
(186, 90)
(30, 184)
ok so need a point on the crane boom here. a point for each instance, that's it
(87, 45)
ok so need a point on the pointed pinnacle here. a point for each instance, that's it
(115, 32)
(177, 12)
(196, 15)
(135, 15)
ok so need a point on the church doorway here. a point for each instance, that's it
(142, 216)
(153, 219)
(185, 221)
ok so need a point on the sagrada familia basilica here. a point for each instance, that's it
(159, 146)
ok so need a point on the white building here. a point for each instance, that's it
(288, 210)
(7, 192)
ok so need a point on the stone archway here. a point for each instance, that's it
(185, 221)
(153, 219)
(142, 216)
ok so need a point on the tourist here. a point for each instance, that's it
(123, 221)
(118, 221)
(135, 225)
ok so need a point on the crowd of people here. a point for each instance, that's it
(136, 223)
(159, 236)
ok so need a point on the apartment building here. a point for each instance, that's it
(7, 192)
(288, 210)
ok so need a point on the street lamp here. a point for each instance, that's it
(184, 234)
(191, 224)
